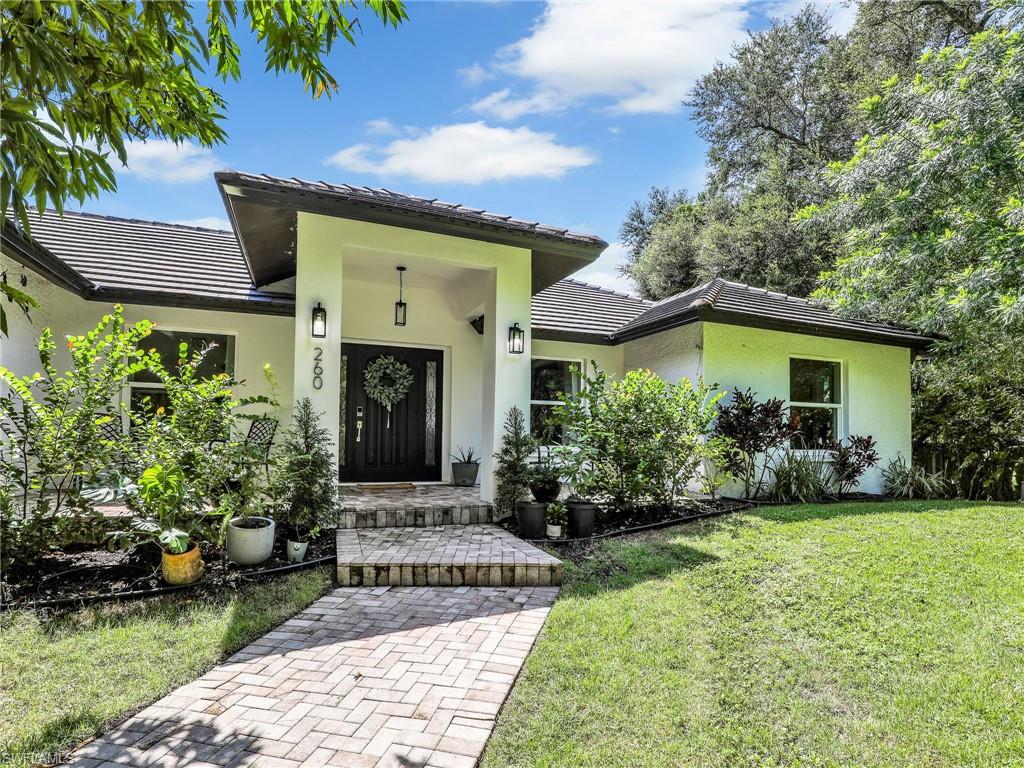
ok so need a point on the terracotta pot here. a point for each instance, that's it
(530, 515)
(186, 568)
(250, 540)
(464, 473)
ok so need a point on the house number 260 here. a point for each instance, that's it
(318, 371)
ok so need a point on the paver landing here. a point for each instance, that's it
(385, 676)
(446, 556)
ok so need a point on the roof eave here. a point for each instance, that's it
(34, 256)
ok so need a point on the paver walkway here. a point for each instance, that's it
(385, 676)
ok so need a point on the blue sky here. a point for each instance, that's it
(559, 112)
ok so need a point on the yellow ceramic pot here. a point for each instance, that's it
(186, 568)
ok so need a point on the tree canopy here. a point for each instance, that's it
(83, 77)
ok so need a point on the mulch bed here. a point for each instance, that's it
(85, 574)
(615, 522)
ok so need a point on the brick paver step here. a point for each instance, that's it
(421, 506)
(451, 555)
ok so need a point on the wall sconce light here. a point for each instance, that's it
(319, 321)
(400, 306)
(516, 340)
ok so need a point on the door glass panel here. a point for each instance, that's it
(343, 408)
(430, 450)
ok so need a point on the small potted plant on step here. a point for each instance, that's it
(555, 519)
(160, 495)
(465, 467)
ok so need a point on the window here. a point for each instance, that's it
(146, 389)
(549, 379)
(815, 401)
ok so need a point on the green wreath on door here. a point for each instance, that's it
(386, 381)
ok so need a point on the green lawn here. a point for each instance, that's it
(846, 635)
(61, 680)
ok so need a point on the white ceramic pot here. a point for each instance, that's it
(554, 531)
(250, 540)
(296, 551)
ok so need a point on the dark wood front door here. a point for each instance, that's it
(405, 445)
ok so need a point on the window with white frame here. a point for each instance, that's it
(145, 390)
(815, 401)
(549, 379)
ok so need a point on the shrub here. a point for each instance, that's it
(304, 472)
(850, 461)
(637, 440)
(903, 481)
(511, 473)
(51, 436)
(800, 476)
(756, 432)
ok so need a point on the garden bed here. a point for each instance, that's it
(86, 574)
(611, 522)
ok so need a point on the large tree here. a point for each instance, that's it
(81, 78)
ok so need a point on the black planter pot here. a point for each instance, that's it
(464, 473)
(530, 516)
(545, 490)
(581, 519)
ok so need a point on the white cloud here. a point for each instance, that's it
(475, 73)
(605, 271)
(163, 160)
(382, 126)
(208, 222)
(468, 153)
(640, 56)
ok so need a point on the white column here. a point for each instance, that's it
(506, 377)
(318, 279)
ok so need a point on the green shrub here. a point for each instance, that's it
(800, 476)
(511, 472)
(305, 478)
(637, 440)
(903, 481)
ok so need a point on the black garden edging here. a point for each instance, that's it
(647, 527)
(138, 594)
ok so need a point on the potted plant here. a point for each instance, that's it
(512, 477)
(465, 468)
(545, 484)
(161, 495)
(249, 537)
(303, 479)
(555, 519)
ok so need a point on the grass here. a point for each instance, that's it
(846, 635)
(63, 679)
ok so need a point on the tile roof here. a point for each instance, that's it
(128, 255)
(146, 261)
(728, 301)
(571, 307)
(430, 206)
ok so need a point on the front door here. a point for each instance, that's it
(403, 444)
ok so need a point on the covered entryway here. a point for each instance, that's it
(403, 444)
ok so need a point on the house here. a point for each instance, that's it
(322, 280)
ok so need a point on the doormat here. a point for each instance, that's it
(386, 487)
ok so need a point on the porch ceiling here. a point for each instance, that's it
(263, 210)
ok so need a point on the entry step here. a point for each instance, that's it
(450, 555)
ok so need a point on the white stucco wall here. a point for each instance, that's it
(673, 354)
(259, 339)
(875, 380)
(349, 267)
